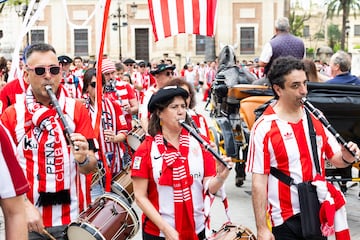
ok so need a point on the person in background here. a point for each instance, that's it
(57, 162)
(142, 80)
(119, 91)
(281, 45)
(112, 155)
(310, 70)
(79, 68)
(171, 171)
(280, 139)
(13, 186)
(340, 65)
(163, 74)
(72, 84)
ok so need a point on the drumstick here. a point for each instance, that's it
(48, 234)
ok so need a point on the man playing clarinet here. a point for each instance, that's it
(280, 139)
(55, 158)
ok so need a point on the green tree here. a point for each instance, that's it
(344, 7)
(334, 35)
(297, 23)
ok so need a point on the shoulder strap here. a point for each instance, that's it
(282, 176)
(313, 141)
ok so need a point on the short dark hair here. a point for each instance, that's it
(38, 47)
(281, 67)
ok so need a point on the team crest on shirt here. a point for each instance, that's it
(137, 162)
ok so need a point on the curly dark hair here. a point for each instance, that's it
(281, 67)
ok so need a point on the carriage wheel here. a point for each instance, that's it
(214, 137)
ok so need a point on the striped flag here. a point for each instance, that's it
(171, 17)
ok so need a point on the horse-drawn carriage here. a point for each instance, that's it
(232, 110)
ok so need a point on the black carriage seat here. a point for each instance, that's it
(340, 104)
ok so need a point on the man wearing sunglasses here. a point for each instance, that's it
(56, 145)
(163, 73)
(142, 80)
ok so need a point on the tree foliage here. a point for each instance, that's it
(344, 7)
(297, 23)
(334, 35)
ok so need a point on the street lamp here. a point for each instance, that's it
(347, 31)
(117, 26)
(21, 9)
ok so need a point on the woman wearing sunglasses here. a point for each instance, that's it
(55, 170)
(112, 155)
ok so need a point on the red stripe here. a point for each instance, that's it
(196, 16)
(165, 17)
(210, 17)
(152, 19)
(283, 190)
(305, 158)
(65, 218)
(180, 15)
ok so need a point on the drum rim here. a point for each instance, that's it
(124, 192)
(86, 226)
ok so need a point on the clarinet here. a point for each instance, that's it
(56, 104)
(204, 143)
(326, 123)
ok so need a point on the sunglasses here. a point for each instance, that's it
(142, 66)
(169, 73)
(93, 84)
(128, 65)
(54, 70)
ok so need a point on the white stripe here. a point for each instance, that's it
(173, 17)
(158, 19)
(189, 24)
(203, 15)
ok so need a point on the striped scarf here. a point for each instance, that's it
(54, 164)
(175, 173)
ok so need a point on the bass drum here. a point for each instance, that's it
(233, 232)
(109, 217)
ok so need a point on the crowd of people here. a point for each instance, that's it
(64, 159)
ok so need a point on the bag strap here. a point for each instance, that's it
(282, 176)
(287, 179)
(313, 141)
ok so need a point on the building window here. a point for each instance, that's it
(356, 30)
(306, 31)
(247, 40)
(200, 44)
(37, 36)
(81, 42)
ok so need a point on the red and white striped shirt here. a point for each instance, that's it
(147, 163)
(18, 121)
(112, 118)
(287, 147)
(13, 182)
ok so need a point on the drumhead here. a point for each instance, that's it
(83, 231)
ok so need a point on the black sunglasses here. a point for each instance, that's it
(169, 73)
(93, 84)
(54, 70)
(128, 65)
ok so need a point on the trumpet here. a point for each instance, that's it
(204, 143)
(56, 104)
(326, 123)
